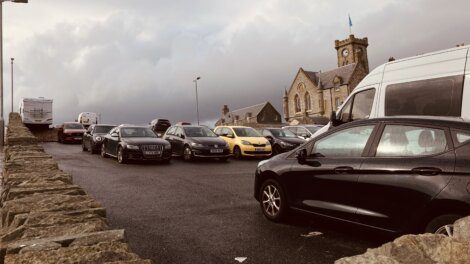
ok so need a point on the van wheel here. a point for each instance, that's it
(443, 224)
(237, 152)
(273, 201)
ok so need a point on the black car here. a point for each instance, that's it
(401, 175)
(159, 126)
(281, 140)
(196, 142)
(127, 142)
(94, 136)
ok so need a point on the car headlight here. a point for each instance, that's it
(168, 146)
(194, 144)
(98, 138)
(285, 144)
(132, 147)
(244, 142)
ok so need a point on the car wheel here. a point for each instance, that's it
(277, 150)
(120, 156)
(188, 154)
(272, 200)
(443, 224)
(103, 151)
(84, 148)
(237, 152)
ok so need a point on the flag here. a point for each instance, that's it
(350, 22)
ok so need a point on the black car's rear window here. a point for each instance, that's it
(136, 132)
(102, 129)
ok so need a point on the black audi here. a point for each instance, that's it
(402, 175)
(93, 137)
(196, 142)
(281, 140)
(127, 142)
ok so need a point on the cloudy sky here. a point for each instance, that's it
(133, 61)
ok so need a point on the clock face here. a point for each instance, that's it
(345, 52)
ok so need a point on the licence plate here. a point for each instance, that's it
(217, 150)
(78, 138)
(259, 149)
(152, 152)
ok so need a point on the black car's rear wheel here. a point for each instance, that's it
(120, 156)
(188, 154)
(103, 151)
(272, 200)
(443, 224)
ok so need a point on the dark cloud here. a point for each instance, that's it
(134, 61)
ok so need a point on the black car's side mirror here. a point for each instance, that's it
(302, 156)
(270, 138)
(182, 136)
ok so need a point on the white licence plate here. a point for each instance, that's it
(78, 138)
(259, 149)
(217, 150)
(152, 152)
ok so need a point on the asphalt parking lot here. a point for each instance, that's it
(203, 212)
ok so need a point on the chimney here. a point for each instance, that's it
(391, 59)
(225, 110)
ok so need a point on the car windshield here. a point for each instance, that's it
(102, 129)
(198, 132)
(73, 126)
(128, 132)
(246, 132)
(282, 133)
(313, 129)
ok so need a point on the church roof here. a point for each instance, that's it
(242, 112)
(327, 78)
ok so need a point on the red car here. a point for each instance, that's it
(71, 132)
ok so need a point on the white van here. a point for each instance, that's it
(36, 111)
(87, 119)
(432, 84)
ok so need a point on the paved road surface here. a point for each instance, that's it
(202, 212)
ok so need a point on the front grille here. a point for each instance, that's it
(152, 147)
(259, 145)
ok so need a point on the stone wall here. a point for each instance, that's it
(424, 248)
(45, 218)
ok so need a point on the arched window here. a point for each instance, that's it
(297, 103)
(308, 104)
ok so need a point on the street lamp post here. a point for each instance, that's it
(2, 120)
(12, 59)
(197, 100)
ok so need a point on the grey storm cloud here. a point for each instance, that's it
(133, 61)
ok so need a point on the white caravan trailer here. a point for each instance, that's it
(432, 84)
(36, 111)
(87, 118)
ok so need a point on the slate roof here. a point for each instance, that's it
(327, 78)
(242, 112)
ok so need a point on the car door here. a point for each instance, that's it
(409, 164)
(113, 142)
(325, 182)
(169, 136)
(178, 140)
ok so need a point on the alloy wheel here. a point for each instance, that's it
(187, 154)
(447, 230)
(120, 157)
(237, 153)
(271, 199)
(103, 151)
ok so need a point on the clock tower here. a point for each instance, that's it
(352, 50)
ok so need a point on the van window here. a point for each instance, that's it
(361, 106)
(434, 97)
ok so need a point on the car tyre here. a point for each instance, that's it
(442, 224)
(273, 201)
(237, 152)
(120, 156)
(103, 151)
(188, 154)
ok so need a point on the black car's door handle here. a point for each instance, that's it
(427, 171)
(343, 169)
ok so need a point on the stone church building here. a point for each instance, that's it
(314, 95)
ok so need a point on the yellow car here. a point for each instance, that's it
(244, 141)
